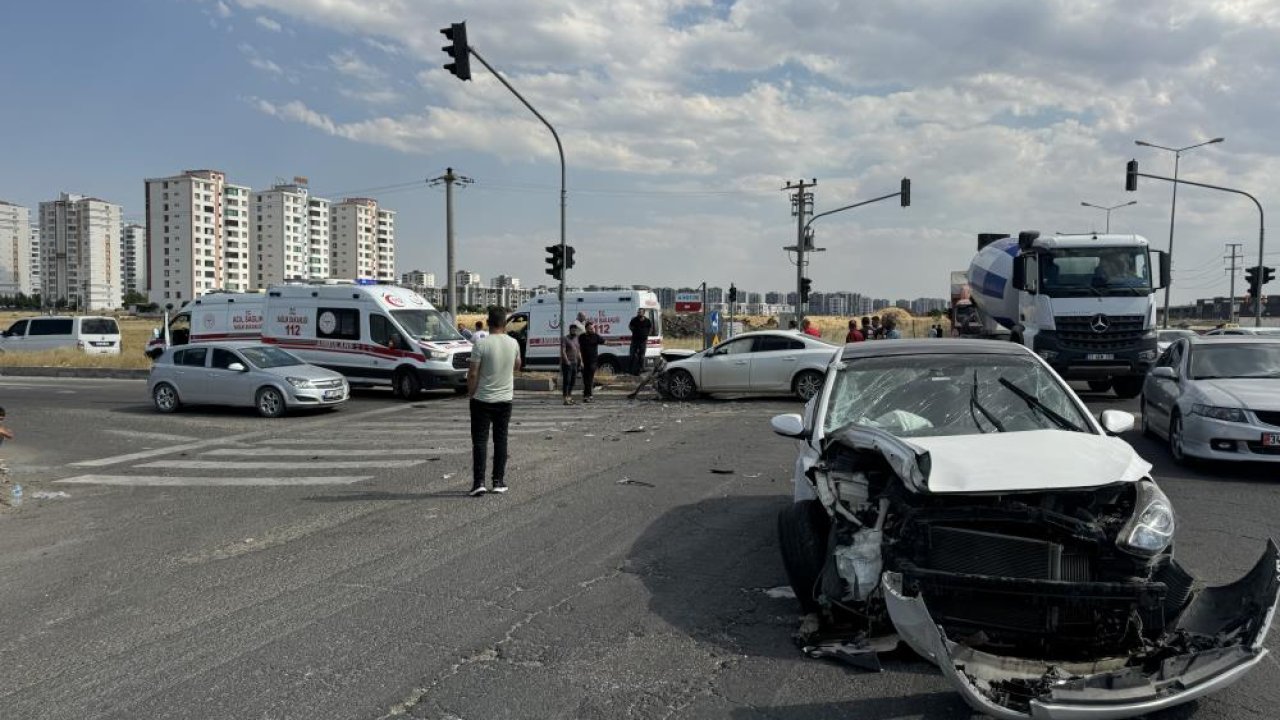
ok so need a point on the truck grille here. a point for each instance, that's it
(460, 360)
(1075, 332)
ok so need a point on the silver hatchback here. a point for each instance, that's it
(242, 374)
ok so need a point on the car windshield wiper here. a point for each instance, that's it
(1034, 403)
(974, 404)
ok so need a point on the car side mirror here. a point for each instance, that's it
(237, 367)
(788, 425)
(155, 333)
(1164, 372)
(1116, 421)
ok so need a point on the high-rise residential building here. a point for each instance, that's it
(34, 258)
(15, 249)
(385, 247)
(318, 238)
(290, 235)
(463, 278)
(197, 236)
(80, 253)
(506, 281)
(418, 278)
(133, 258)
(353, 234)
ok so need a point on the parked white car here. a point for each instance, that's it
(957, 495)
(766, 362)
(1216, 398)
(92, 334)
(242, 374)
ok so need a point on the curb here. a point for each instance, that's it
(537, 384)
(68, 372)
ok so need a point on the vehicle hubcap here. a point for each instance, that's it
(164, 396)
(270, 403)
(681, 386)
(1175, 438)
(808, 386)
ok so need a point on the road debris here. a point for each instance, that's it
(636, 429)
(722, 471)
(49, 494)
(629, 481)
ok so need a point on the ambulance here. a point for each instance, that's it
(536, 326)
(373, 334)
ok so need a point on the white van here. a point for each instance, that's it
(373, 334)
(93, 334)
(536, 325)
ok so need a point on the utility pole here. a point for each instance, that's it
(449, 178)
(801, 203)
(1235, 255)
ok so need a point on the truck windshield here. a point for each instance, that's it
(1067, 272)
(428, 325)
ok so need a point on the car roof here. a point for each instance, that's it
(226, 344)
(936, 346)
(1234, 339)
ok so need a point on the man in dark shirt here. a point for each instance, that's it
(589, 344)
(641, 328)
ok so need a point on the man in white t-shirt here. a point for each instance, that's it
(479, 333)
(490, 385)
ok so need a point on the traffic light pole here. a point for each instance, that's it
(1132, 184)
(563, 194)
(800, 199)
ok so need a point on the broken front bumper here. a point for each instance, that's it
(1238, 614)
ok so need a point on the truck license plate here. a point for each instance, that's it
(1100, 356)
(1271, 439)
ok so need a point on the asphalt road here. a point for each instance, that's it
(215, 565)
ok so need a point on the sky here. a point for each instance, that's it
(681, 122)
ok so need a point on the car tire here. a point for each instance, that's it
(405, 384)
(807, 383)
(1145, 411)
(1127, 388)
(165, 397)
(680, 385)
(802, 538)
(269, 402)
(1099, 386)
(1176, 448)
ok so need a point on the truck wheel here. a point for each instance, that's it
(1099, 385)
(807, 384)
(405, 384)
(1127, 387)
(802, 538)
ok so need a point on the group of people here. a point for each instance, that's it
(580, 353)
(873, 329)
(474, 335)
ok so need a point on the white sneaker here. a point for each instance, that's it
(477, 491)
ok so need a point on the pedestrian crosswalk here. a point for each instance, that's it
(336, 449)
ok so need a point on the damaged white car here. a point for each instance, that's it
(958, 496)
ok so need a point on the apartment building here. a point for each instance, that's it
(290, 235)
(385, 247)
(197, 236)
(15, 250)
(133, 258)
(80, 256)
(34, 258)
(318, 238)
(353, 234)
(418, 279)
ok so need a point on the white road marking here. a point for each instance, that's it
(268, 465)
(141, 435)
(330, 452)
(169, 481)
(454, 422)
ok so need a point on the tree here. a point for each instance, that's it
(936, 314)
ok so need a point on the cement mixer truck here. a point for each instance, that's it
(1084, 303)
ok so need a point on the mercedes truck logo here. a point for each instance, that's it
(1099, 323)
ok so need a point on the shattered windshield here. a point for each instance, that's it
(1073, 272)
(930, 395)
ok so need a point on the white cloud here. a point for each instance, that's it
(222, 10)
(268, 23)
(1006, 113)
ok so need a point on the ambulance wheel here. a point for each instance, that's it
(608, 366)
(405, 384)
(270, 402)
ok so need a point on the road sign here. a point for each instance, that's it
(688, 302)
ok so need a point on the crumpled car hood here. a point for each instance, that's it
(1028, 461)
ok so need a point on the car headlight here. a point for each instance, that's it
(1150, 529)
(1147, 355)
(1219, 413)
(437, 355)
(1048, 354)
(298, 382)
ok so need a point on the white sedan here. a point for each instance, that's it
(768, 361)
(1216, 398)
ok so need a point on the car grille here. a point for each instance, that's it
(1258, 448)
(461, 359)
(1268, 417)
(982, 553)
(1075, 332)
(327, 384)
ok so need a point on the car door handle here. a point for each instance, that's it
(739, 362)
(788, 359)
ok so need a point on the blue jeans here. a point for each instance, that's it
(568, 376)
(484, 415)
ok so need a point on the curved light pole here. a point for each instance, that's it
(1109, 209)
(1173, 206)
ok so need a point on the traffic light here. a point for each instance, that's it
(906, 192)
(1131, 176)
(1268, 274)
(1251, 278)
(555, 262)
(733, 293)
(458, 49)
(568, 257)
(805, 284)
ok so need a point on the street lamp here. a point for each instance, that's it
(1173, 206)
(1109, 209)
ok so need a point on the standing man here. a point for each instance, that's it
(570, 362)
(854, 335)
(490, 385)
(641, 328)
(808, 328)
(589, 343)
(479, 333)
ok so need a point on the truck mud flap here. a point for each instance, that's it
(1216, 640)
